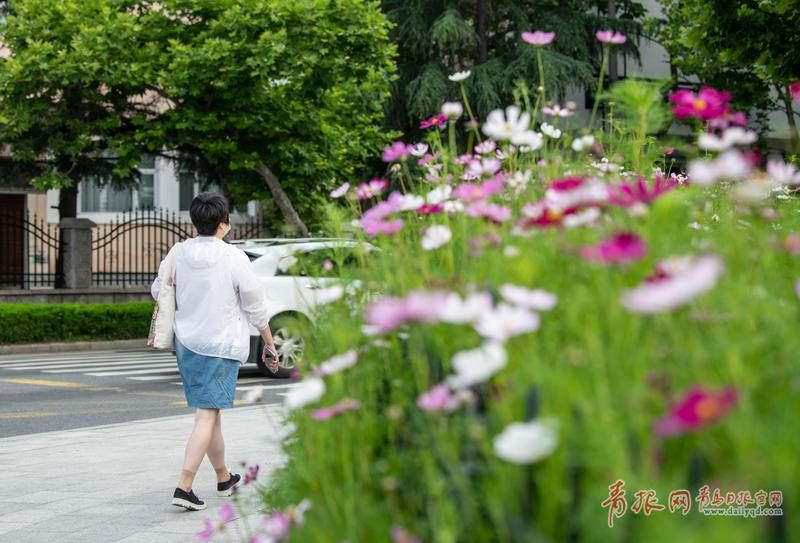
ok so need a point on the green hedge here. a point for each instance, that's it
(34, 323)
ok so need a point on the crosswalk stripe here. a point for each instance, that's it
(60, 362)
(92, 365)
(88, 356)
(112, 368)
(267, 387)
(153, 377)
(132, 372)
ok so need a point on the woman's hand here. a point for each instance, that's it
(271, 357)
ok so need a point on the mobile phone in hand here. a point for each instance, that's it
(270, 356)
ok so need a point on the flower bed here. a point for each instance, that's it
(558, 338)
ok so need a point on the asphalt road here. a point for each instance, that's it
(60, 391)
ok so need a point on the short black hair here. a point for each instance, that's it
(208, 210)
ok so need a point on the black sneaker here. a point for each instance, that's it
(187, 500)
(226, 488)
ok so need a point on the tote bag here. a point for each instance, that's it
(161, 334)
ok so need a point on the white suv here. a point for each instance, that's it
(298, 276)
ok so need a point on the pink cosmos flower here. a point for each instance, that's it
(675, 283)
(698, 408)
(430, 209)
(708, 104)
(557, 111)
(428, 158)
(542, 214)
(365, 191)
(439, 398)
(472, 191)
(386, 228)
(638, 192)
(737, 118)
(227, 513)
(538, 37)
(251, 475)
(619, 248)
(382, 210)
(397, 151)
(341, 190)
(437, 120)
(399, 535)
(485, 148)
(276, 525)
(342, 407)
(609, 36)
(494, 212)
(794, 89)
(208, 531)
(388, 313)
(486, 166)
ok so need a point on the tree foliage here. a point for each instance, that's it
(285, 92)
(751, 47)
(436, 38)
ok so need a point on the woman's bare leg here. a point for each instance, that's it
(197, 446)
(216, 452)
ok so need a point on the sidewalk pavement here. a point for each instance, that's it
(59, 347)
(114, 483)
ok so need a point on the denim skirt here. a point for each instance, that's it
(209, 382)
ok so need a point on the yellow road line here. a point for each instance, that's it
(30, 414)
(43, 383)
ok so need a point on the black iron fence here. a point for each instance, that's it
(125, 252)
(28, 251)
(128, 251)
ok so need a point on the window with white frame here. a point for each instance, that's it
(96, 197)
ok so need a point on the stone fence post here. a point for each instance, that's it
(76, 234)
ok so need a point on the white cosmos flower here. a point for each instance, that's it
(453, 206)
(782, 173)
(550, 131)
(535, 299)
(485, 147)
(328, 294)
(279, 82)
(419, 149)
(584, 142)
(529, 139)
(435, 236)
(440, 194)
(511, 251)
(728, 165)
(526, 442)
(686, 279)
(410, 202)
(502, 125)
(519, 180)
(341, 190)
(308, 391)
(477, 365)
(732, 136)
(460, 76)
(506, 321)
(456, 310)
(582, 218)
(452, 110)
(338, 363)
(253, 395)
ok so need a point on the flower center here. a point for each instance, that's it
(708, 408)
(554, 214)
(699, 103)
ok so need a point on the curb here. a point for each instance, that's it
(74, 346)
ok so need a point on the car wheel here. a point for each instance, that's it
(289, 341)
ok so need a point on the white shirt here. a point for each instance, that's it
(216, 294)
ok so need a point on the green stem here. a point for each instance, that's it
(603, 66)
(541, 73)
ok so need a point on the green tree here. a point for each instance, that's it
(436, 38)
(751, 48)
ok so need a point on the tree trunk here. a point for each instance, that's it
(282, 199)
(67, 208)
(481, 27)
(612, 55)
(794, 137)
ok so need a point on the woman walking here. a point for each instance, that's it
(217, 295)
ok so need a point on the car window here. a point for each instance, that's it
(323, 262)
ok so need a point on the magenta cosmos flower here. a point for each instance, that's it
(437, 120)
(388, 313)
(439, 398)
(639, 192)
(707, 104)
(675, 282)
(334, 410)
(698, 408)
(609, 36)
(538, 37)
(619, 248)
(397, 151)
(365, 191)
(794, 89)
